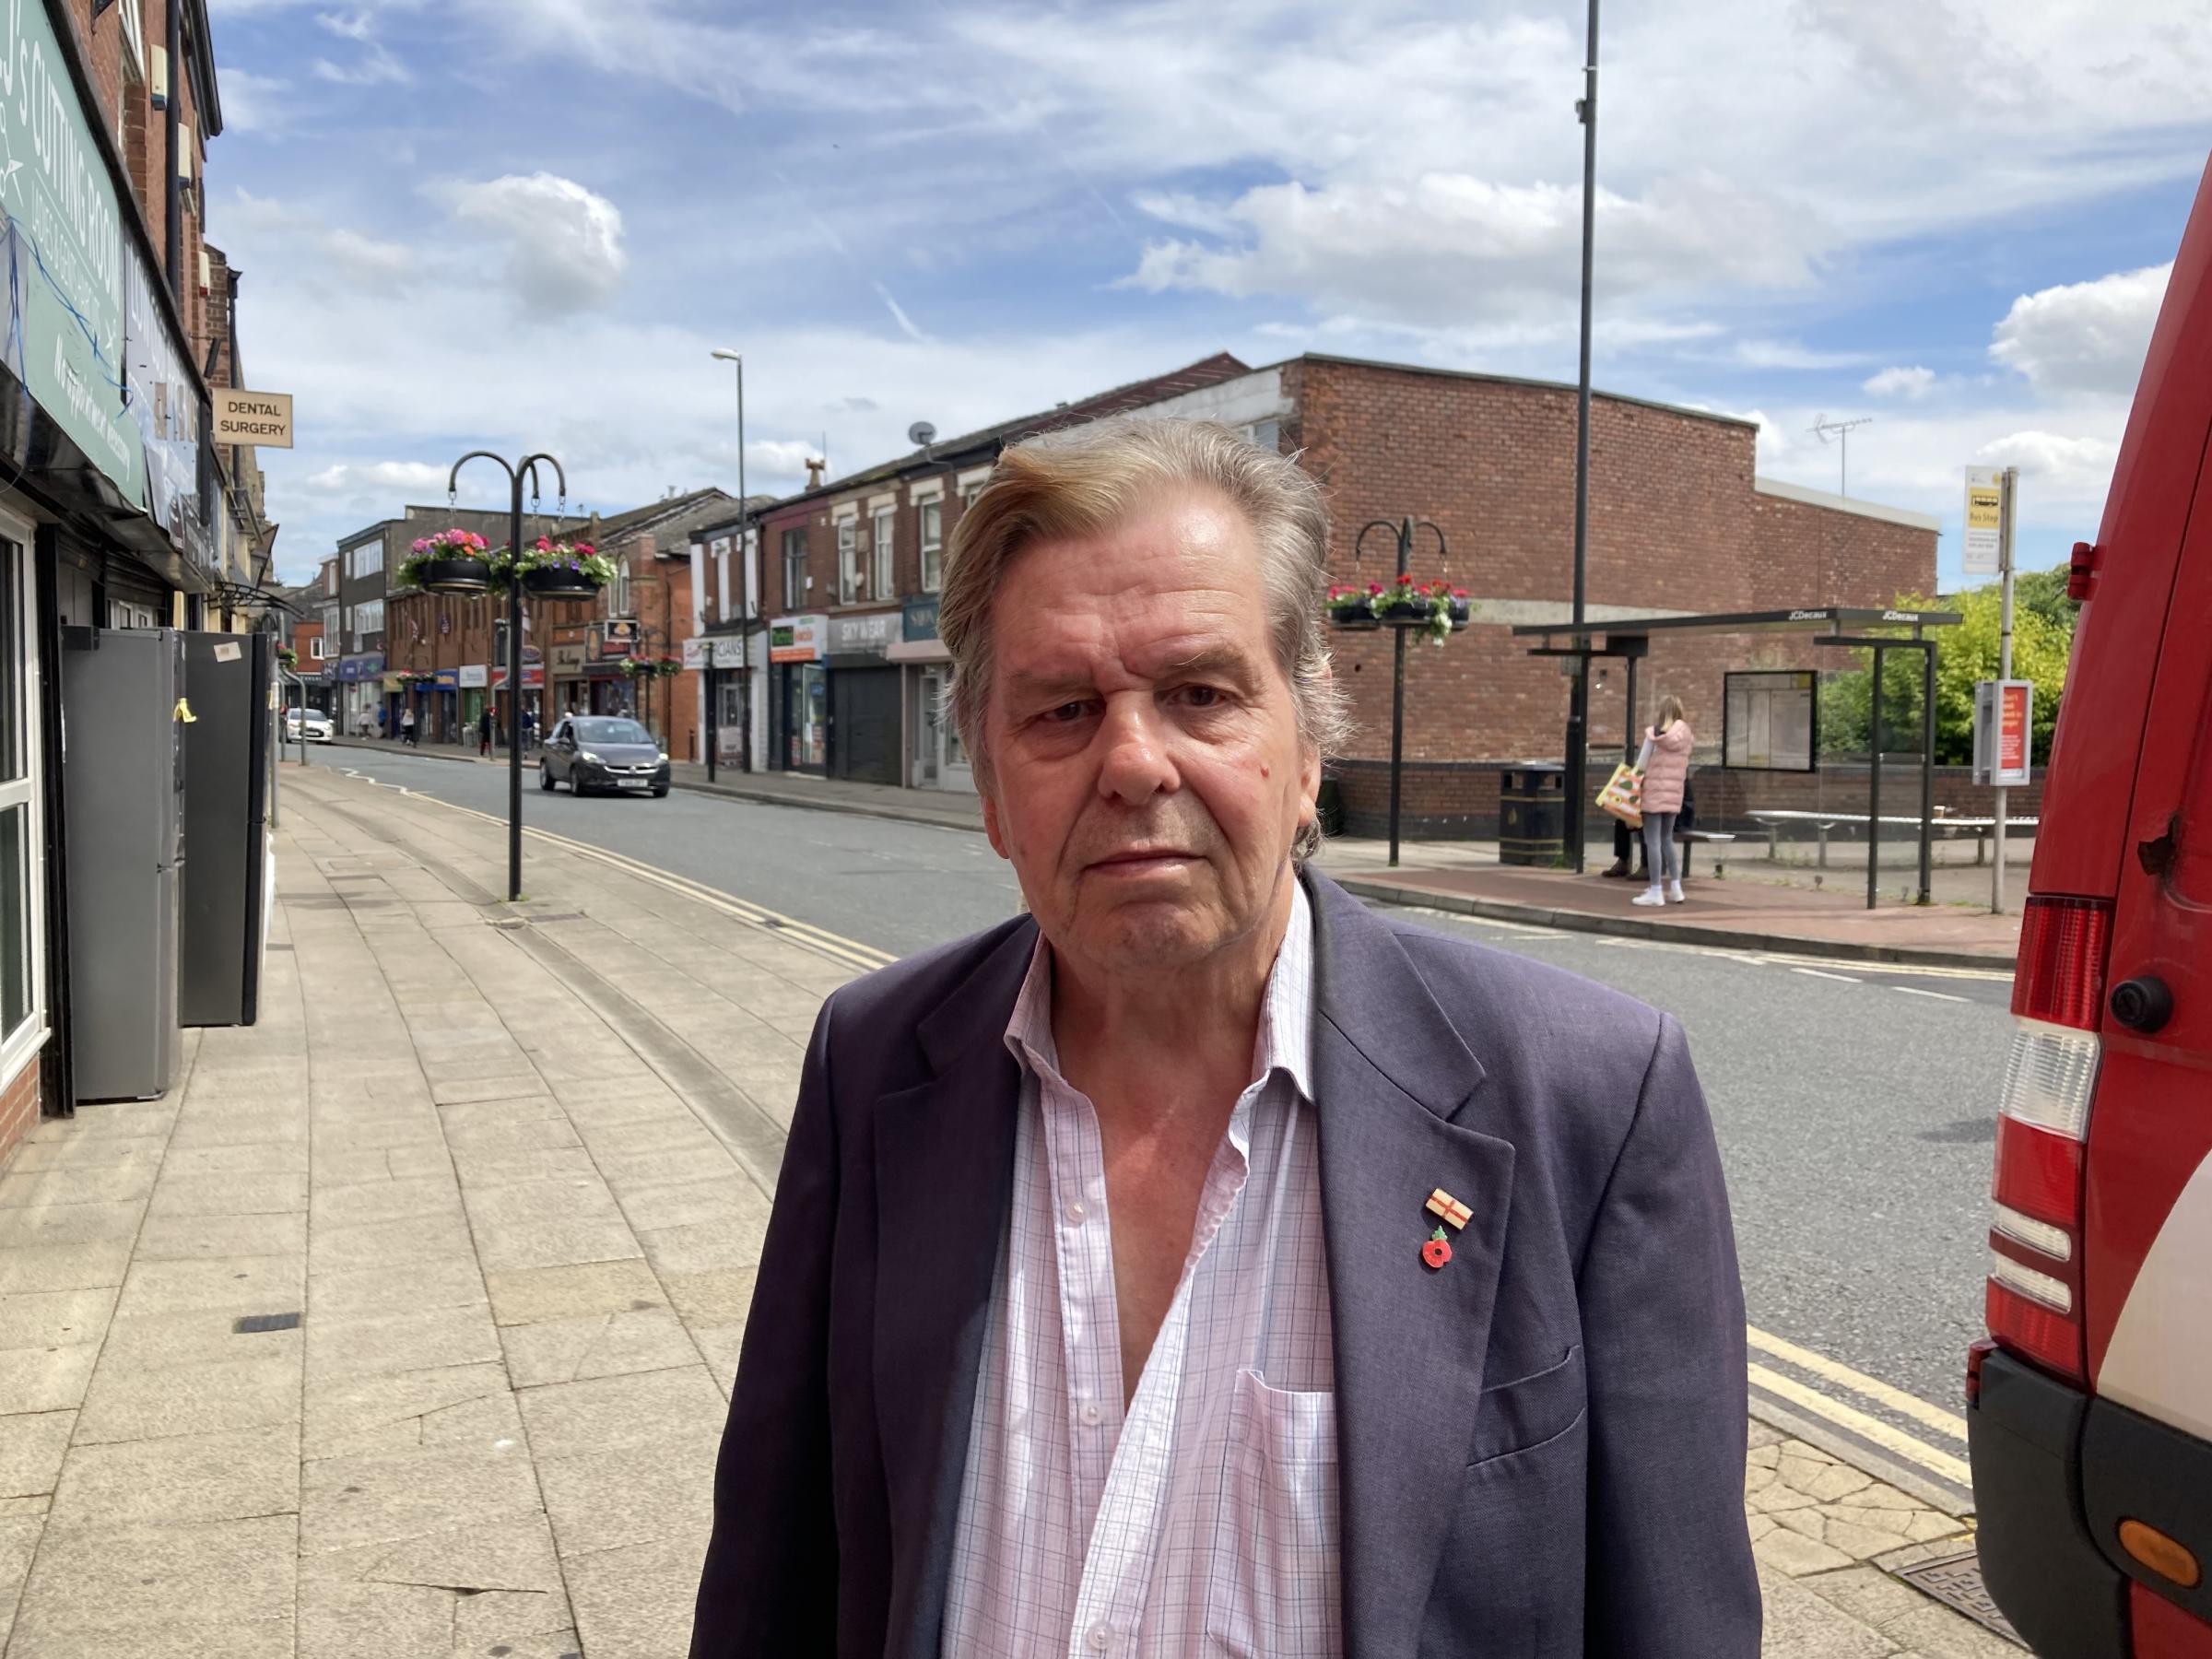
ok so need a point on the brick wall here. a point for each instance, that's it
(1675, 525)
(1837, 558)
(18, 1110)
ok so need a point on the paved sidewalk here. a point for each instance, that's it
(405, 1325)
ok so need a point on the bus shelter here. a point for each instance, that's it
(1842, 627)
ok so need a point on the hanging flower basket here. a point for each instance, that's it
(663, 667)
(1437, 609)
(551, 570)
(453, 561)
(1348, 607)
(287, 656)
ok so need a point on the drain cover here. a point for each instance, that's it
(1956, 1581)
(254, 1322)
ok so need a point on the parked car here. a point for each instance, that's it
(316, 724)
(2089, 1405)
(603, 751)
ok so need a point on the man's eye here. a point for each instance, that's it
(1201, 696)
(1066, 713)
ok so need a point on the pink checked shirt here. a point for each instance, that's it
(1203, 1522)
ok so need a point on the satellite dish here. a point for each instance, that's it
(922, 434)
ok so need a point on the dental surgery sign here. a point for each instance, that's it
(63, 249)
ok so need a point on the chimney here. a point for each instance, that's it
(815, 469)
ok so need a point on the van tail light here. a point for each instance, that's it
(2034, 1303)
(2158, 1629)
(2081, 571)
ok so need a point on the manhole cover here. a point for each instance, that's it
(558, 916)
(1956, 1581)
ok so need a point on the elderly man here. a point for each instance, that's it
(1202, 1265)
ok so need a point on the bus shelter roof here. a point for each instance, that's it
(1840, 620)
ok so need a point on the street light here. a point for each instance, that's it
(527, 468)
(744, 565)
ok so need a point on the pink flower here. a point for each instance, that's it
(1374, 587)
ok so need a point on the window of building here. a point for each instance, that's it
(1267, 434)
(882, 585)
(932, 515)
(330, 577)
(368, 618)
(314, 647)
(617, 591)
(848, 560)
(366, 559)
(22, 884)
(795, 569)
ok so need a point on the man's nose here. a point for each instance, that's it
(1134, 763)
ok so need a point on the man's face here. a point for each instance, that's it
(1148, 778)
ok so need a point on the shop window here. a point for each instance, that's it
(21, 942)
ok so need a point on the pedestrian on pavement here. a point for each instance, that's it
(484, 731)
(406, 725)
(530, 729)
(1664, 775)
(382, 721)
(1203, 1261)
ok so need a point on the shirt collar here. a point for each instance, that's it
(1285, 1039)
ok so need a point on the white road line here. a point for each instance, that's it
(1869, 1429)
(1872, 1388)
(1822, 973)
(1939, 996)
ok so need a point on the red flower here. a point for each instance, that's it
(1374, 587)
(1436, 1252)
(1406, 579)
(1459, 593)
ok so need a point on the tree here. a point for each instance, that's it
(2043, 641)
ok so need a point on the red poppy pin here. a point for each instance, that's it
(1437, 1251)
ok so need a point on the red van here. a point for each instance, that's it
(2089, 1407)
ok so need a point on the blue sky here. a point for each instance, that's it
(528, 222)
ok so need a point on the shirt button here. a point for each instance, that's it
(1076, 1212)
(1100, 1639)
(1093, 1416)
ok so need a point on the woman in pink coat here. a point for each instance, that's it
(1664, 775)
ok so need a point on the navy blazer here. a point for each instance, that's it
(1580, 1363)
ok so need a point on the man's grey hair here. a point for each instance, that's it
(1078, 483)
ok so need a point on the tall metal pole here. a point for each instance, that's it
(514, 698)
(2007, 484)
(1397, 694)
(1927, 771)
(744, 582)
(1873, 788)
(1578, 708)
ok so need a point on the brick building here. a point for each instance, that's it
(1679, 523)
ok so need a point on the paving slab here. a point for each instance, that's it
(186, 1477)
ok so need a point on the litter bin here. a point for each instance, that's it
(1532, 815)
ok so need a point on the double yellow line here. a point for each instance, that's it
(1872, 1429)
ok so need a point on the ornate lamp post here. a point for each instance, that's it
(1438, 609)
(548, 582)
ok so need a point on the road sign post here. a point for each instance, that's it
(2008, 492)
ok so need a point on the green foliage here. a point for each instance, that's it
(2043, 641)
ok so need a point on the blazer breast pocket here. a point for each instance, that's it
(1523, 1414)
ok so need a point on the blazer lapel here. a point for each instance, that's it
(944, 1178)
(1390, 1072)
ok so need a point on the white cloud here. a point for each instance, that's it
(564, 242)
(906, 324)
(252, 103)
(1912, 383)
(375, 66)
(1789, 354)
(398, 476)
(782, 457)
(2083, 336)
(2068, 467)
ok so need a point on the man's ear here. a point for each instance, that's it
(991, 827)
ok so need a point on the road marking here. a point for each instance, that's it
(1823, 973)
(850, 952)
(1939, 996)
(1870, 1428)
(1872, 1388)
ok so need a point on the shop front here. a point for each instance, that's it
(443, 701)
(865, 744)
(474, 680)
(934, 757)
(360, 692)
(798, 735)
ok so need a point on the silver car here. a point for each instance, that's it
(603, 751)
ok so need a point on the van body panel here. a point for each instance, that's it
(2082, 838)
